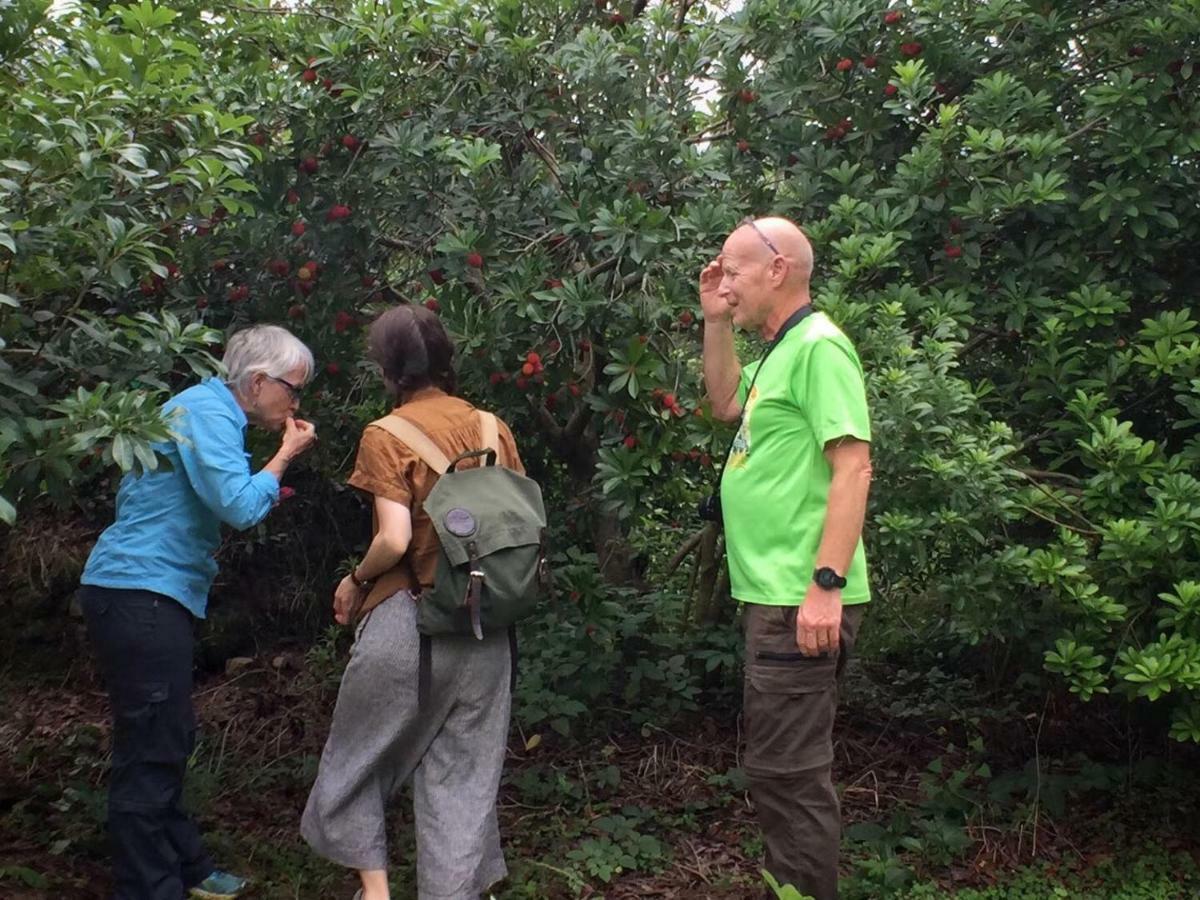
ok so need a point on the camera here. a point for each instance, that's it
(709, 509)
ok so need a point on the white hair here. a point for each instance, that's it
(269, 349)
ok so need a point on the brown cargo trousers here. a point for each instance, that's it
(789, 702)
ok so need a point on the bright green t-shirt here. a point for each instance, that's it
(776, 482)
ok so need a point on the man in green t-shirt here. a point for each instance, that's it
(793, 500)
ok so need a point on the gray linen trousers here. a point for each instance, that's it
(453, 750)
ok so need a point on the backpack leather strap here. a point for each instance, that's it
(489, 433)
(416, 440)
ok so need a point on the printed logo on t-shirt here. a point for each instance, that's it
(739, 453)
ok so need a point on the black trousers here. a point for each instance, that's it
(144, 643)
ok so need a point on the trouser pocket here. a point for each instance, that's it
(789, 699)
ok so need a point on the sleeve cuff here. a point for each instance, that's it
(834, 432)
(265, 482)
(380, 488)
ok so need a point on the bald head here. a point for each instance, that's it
(766, 268)
(789, 242)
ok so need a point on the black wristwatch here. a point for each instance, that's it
(828, 579)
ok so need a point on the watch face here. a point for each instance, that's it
(827, 578)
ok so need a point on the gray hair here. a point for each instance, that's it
(269, 349)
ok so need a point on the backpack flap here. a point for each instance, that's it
(494, 508)
(490, 523)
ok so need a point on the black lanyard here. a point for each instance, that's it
(792, 321)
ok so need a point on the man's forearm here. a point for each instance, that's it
(722, 371)
(844, 516)
(382, 556)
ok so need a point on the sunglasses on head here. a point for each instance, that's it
(749, 220)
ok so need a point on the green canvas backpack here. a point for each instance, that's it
(491, 527)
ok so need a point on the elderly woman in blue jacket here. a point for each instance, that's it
(147, 581)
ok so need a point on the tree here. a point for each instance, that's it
(1000, 197)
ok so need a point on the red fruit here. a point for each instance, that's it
(955, 225)
(368, 281)
(258, 139)
(522, 383)
(1174, 67)
(278, 267)
(286, 493)
(437, 276)
(496, 378)
(552, 283)
(890, 90)
(350, 142)
(309, 76)
(333, 369)
(293, 197)
(911, 49)
(557, 240)
(589, 630)
(1137, 52)
(836, 133)
(743, 146)
(555, 345)
(312, 267)
(686, 318)
(337, 212)
(698, 413)
(239, 293)
(678, 456)
(668, 401)
(219, 265)
(705, 460)
(551, 402)
(616, 19)
(296, 311)
(630, 441)
(298, 229)
(432, 305)
(953, 252)
(202, 302)
(941, 88)
(533, 358)
(693, 454)
(327, 83)
(343, 321)
(304, 273)
(584, 345)
(309, 165)
(305, 287)
(641, 339)
(870, 62)
(891, 18)
(747, 96)
(574, 389)
(845, 64)
(527, 369)
(474, 260)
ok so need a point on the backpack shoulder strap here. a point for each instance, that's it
(416, 440)
(489, 432)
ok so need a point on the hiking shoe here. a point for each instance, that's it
(219, 886)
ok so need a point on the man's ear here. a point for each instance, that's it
(779, 269)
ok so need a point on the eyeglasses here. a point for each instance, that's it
(292, 389)
(749, 220)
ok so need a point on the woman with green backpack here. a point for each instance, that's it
(427, 692)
